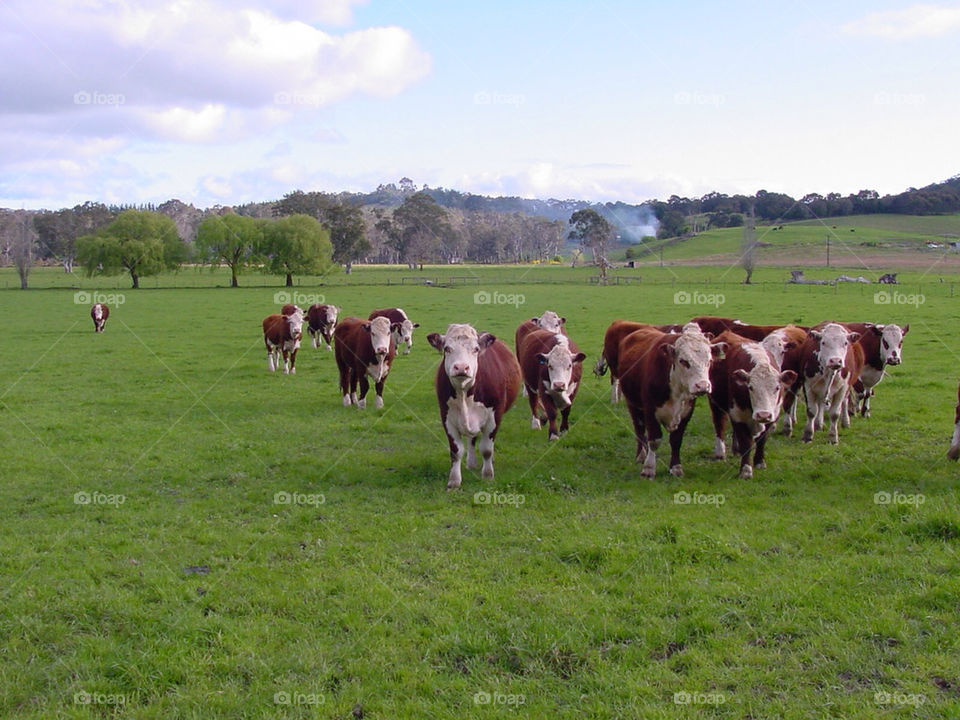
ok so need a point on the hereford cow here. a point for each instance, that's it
(609, 357)
(954, 452)
(402, 326)
(363, 348)
(714, 325)
(830, 365)
(661, 376)
(784, 345)
(882, 345)
(321, 322)
(281, 335)
(100, 312)
(476, 383)
(548, 321)
(551, 364)
(748, 388)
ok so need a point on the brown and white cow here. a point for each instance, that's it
(548, 321)
(321, 322)
(281, 335)
(830, 365)
(954, 452)
(661, 376)
(477, 382)
(784, 345)
(363, 349)
(99, 312)
(609, 357)
(552, 365)
(882, 345)
(289, 309)
(402, 326)
(748, 387)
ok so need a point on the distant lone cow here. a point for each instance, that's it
(99, 312)
(551, 364)
(281, 336)
(364, 350)
(477, 382)
(321, 322)
(402, 326)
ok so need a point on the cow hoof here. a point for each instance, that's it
(954, 452)
(717, 456)
(647, 473)
(346, 401)
(760, 466)
(553, 436)
(807, 437)
(746, 472)
(453, 485)
(293, 371)
(534, 424)
(472, 463)
(487, 473)
(677, 471)
(378, 402)
(786, 432)
(362, 404)
(833, 440)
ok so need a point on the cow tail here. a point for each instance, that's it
(600, 369)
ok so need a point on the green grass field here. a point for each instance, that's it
(153, 567)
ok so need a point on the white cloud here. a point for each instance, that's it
(914, 22)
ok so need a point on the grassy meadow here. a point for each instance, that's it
(187, 535)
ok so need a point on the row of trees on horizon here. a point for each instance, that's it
(403, 224)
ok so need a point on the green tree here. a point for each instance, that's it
(348, 233)
(140, 242)
(591, 230)
(230, 240)
(296, 245)
(419, 228)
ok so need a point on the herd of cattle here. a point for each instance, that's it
(751, 375)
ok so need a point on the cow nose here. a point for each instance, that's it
(763, 417)
(894, 360)
(834, 363)
(559, 386)
(702, 387)
(381, 351)
(459, 369)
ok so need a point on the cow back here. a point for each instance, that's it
(644, 367)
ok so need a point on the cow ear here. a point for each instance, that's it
(367, 327)
(707, 335)
(542, 359)
(876, 329)
(486, 340)
(816, 335)
(853, 336)
(563, 320)
(741, 376)
(789, 345)
(416, 325)
(788, 377)
(579, 357)
(436, 340)
(906, 329)
(719, 350)
(668, 350)
(534, 321)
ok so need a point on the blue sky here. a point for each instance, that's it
(222, 103)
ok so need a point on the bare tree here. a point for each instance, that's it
(748, 246)
(23, 247)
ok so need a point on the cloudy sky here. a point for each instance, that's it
(229, 101)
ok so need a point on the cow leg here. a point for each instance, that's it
(345, 385)
(845, 410)
(789, 412)
(271, 365)
(836, 412)
(741, 432)
(865, 405)
(676, 440)
(534, 400)
(379, 388)
(614, 389)
(813, 408)
(636, 415)
(472, 463)
(364, 389)
(408, 348)
(293, 361)
(551, 410)
(654, 436)
(353, 388)
(565, 418)
(456, 453)
(720, 431)
(954, 452)
(486, 451)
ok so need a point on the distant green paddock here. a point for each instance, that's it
(187, 535)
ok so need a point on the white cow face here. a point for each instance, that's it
(833, 340)
(295, 322)
(891, 342)
(98, 312)
(380, 331)
(764, 382)
(461, 346)
(405, 333)
(549, 321)
(776, 344)
(333, 312)
(559, 363)
(692, 355)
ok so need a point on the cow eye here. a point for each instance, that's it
(886, 344)
(446, 350)
(476, 350)
(685, 363)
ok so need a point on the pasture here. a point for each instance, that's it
(189, 536)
